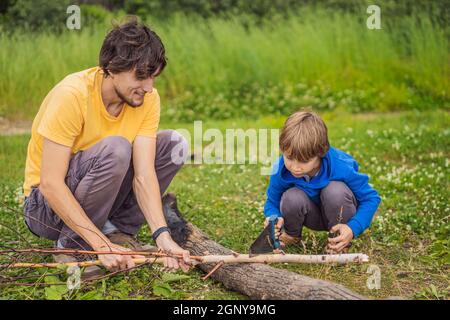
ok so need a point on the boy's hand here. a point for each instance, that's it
(278, 226)
(339, 243)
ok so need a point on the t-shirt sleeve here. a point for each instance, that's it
(149, 126)
(62, 121)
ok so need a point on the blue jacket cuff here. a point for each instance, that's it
(356, 228)
(271, 213)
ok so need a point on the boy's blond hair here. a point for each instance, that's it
(304, 136)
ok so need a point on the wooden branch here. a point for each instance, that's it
(74, 264)
(87, 252)
(287, 258)
(213, 270)
(229, 259)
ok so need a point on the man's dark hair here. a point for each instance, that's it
(132, 45)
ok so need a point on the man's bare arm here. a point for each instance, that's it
(148, 196)
(145, 182)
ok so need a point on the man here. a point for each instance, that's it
(96, 167)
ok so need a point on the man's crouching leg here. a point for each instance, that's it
(94, 178)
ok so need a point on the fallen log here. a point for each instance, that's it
(255, 280)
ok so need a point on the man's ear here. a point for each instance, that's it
(109, 71)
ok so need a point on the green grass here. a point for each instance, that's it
(227, 68)
(406, 155)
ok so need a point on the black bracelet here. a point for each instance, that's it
(156, 234)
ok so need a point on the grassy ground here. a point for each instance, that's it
(406, 155)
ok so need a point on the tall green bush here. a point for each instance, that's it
(36, 15)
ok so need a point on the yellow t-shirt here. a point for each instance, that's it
(73, 114)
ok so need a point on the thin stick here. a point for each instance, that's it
(16, 232)
(43, 284)
(71, 264)
(289, 258)
(340, 218)
(61, 232)
(221, 263)
(241, 258)
(77, 251)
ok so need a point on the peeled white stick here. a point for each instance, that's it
(238, 258)
(288, 258)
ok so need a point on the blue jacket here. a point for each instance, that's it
(336, 166)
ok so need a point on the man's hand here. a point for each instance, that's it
(337, 244)
(165, 242)
(116, 262)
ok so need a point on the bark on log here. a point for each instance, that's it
(255, 280)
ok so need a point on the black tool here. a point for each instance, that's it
(266, 241)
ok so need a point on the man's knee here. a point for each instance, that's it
(293, 202)
(173, 145)
(117, 149)
(39, 218)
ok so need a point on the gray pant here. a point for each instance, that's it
(299, 210)
(101, 179)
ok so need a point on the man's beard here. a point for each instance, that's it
(126, 100)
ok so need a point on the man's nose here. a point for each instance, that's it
(147, 85)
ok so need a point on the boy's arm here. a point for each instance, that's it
(368, 201)
(274, 193)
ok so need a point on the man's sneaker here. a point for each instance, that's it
(89, 273)
(130, 242)
(289, 240)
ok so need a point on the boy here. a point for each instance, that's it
(317, 186)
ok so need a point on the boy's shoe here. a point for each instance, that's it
(289, 240)
(89, 273)
(130, 242)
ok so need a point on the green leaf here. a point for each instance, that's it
(104, 286)
(446, 259)
(162, 289)
(91, 295)
(51, 279)
(171, 277)
(55, 292)
(439, 248)
(61, 267)
(42, 270)
(434, 291)
(426, 259)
